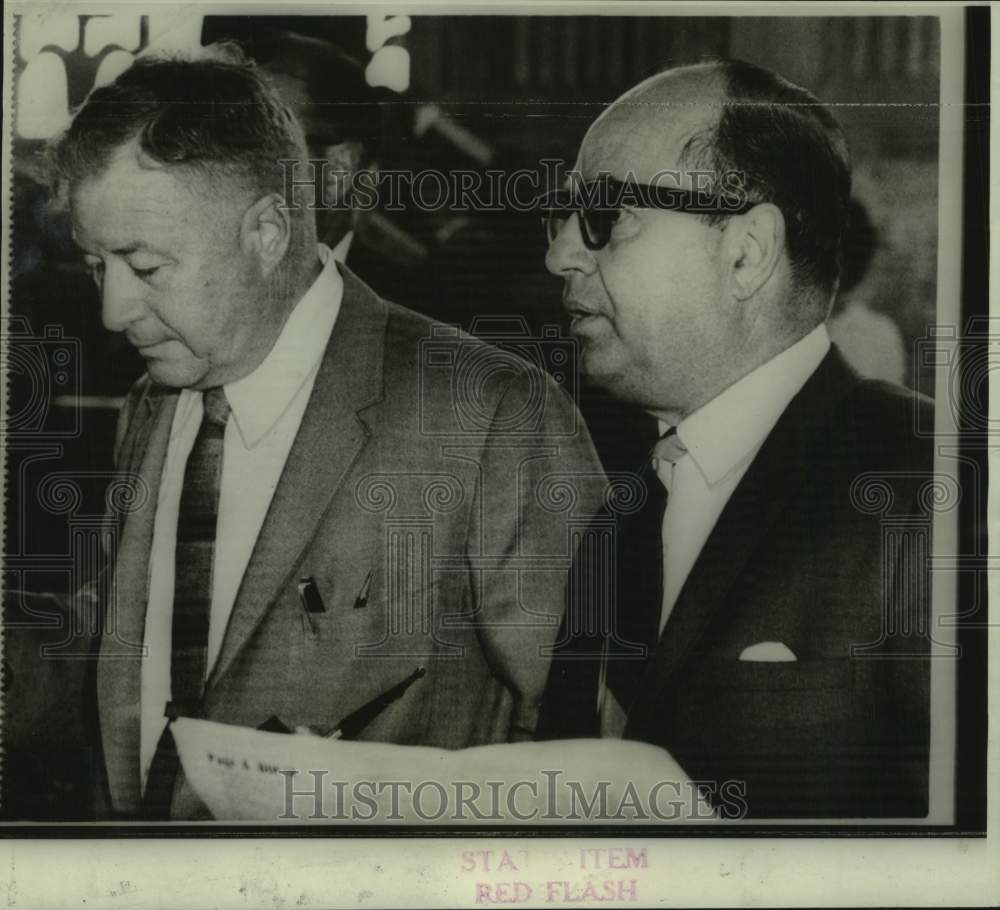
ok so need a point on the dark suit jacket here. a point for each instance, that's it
(418, 495)
(822, 547)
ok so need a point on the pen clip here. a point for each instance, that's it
(311, 603)
(309, 595)
(362, 599)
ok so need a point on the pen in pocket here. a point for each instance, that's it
(311, 601)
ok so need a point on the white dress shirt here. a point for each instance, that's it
(343, 247)
(267, 408)
(722, 437)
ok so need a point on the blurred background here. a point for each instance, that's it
(473, 92)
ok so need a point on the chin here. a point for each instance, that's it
(599, 370)
(609, 384)
(176, 375)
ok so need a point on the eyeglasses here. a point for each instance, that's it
(599, 203)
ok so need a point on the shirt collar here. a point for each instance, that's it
(259, 399)
(727, 431)
(343, 247)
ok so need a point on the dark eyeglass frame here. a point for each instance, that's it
(600, 203)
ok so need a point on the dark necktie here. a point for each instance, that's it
(612, 613)
(640, 588)
(197, 518)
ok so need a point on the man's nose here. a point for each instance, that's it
(567, 252)
(121, 299)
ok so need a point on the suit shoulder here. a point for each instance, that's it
(497, 358)
(893, 420)
(896, 407)
(502, 384)
(416, 326)
(405, 325)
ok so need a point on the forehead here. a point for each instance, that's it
(646, 130)
(130, 202)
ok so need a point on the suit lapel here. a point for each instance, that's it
(330, 438)
(781, 465)
(119, 669)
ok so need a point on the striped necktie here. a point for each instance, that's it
(196, 524)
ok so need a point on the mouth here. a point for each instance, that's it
(580, 317)
(149, 348)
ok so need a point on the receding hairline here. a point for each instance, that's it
(634, 122)
(209, 204)
(710, 76)
(213, 179)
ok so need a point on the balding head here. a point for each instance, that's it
(731, 117)
(674, 300)
(648, 129)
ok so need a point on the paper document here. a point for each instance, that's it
(249, 775)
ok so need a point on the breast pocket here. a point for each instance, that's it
(331, 606)
(769, 701)
(762, 675)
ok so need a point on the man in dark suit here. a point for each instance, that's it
(332, 494)
(758, 604)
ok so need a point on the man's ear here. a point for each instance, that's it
(266, 232)
(755, 243)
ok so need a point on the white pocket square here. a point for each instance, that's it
(768, 651)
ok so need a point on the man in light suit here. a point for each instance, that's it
(768, 625)
(332, 494)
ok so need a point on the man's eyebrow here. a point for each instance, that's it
(127, 250)
(131, 248)
(140, 246)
